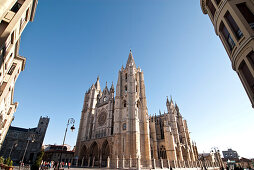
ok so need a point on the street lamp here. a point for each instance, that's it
(70, 121)
(15, 144)
(31, 139)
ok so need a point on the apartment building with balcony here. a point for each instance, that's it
(233, 22)
(14, 16)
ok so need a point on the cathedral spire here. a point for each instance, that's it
(97, 84)
(167, 101)
(130, 60)
(112, 88)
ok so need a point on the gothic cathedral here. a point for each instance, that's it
(116, 128)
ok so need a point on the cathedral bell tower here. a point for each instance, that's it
(131, 128)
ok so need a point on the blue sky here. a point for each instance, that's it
(70, 43)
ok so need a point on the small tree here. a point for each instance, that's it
(7, 161)
(10, 163)
(1, 160)
(36, 165)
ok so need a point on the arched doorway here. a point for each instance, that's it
(84, 156)
(94, 154)
(105, 152)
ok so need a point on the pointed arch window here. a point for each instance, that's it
(162, 152)
(125, 89)
(124, 103)
(126, 77)
(124, 126)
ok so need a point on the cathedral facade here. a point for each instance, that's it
(116, 130)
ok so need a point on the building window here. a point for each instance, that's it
(124, 103)
(244, 70)
(124, 126)
(247, 13)
(16, 7)
(227, 36)
(125, 88)
(211, 7)
(162, 153)
(250, 56)
(233, 25)
(27, 14)
(218, 1)
(13, 37)
(126, 77)
(4, 123)
(1, 52)
(12, 69)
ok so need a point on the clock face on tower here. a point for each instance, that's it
(102, 118)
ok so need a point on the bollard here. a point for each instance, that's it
(174, 164)
(138, 163)
(88, 164)
(117, 159)
(130, 162)
(154, 164)
(161, 163)
(108, 162)
(168, 164)
(100, 161)
(123, 161)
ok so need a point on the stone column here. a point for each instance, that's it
(93, 162)
(108, 162)
(82, 162)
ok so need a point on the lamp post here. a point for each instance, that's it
(70, 121)
(30, 138)
(15, 144)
